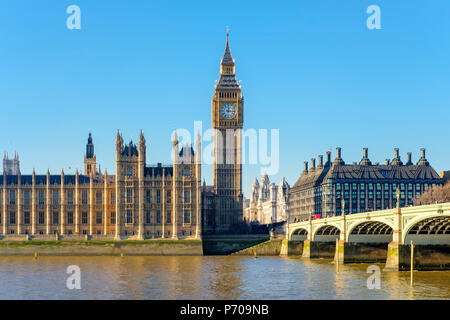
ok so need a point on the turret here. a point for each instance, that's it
(198, 149)
(90, 162)
(119, 144)
(142, 148)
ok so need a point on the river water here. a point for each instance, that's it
(213, 277)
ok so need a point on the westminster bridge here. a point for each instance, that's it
(380, 236)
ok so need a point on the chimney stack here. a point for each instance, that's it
(365, 160)
(396, 161)
(388, 162)
(423, 161)
(313, 164)
(305, 168)
(320, 161)
(408, 159)
(338, 160)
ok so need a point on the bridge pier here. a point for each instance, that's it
(318, 249)
(291, 248)
(396, 248)
(366, 252)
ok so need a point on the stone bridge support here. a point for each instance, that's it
(396, 248)
(316, 249)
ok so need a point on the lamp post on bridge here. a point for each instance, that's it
(397, 193)
(343, 206)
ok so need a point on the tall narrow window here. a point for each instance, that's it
(158, 217)
(41, 197)
(26, 198)
(69, 217)
(113, 218)
(98, 197)
(129, 195)
(129, 216)
(148, 196)
(169, 196)
(70, 197)
(187, 196)
(12, 218)
(158, 196)
(41, 217)
(147, 217)
(26, 217)
(113, 198)
(169, 216)
(84, 217)
(55, 198)
(187, 216)
(12, 197)
(99, 218)
(56, 217)
(84, 197)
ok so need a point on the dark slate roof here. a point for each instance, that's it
(42, 179)
(382, 173)
(312, 178)
(188, 151)
(227, 81)
(155, 171)
(130, 150)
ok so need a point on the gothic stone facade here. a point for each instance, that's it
(138, 202)
(319, 191)
(268, 202)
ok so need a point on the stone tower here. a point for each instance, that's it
(130, 162)
(227, 122)
(11, 166)
(90, 162)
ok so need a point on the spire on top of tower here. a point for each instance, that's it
(227, 59)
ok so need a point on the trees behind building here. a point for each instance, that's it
(435, 194)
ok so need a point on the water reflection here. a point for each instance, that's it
(209, 278)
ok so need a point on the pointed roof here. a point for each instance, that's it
(227, 59)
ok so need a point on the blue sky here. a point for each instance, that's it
(311, 69)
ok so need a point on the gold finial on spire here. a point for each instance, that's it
(228, 30)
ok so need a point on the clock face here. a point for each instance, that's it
(228, 111)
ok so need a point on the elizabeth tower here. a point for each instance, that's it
(227, 122)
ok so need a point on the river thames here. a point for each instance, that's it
(213, 277)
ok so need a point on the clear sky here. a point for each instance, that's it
(311, 69)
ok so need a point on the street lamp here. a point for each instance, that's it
(343, 206)
(397, 193)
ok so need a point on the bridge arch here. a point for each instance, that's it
(429, 229)
(299, 234)
(326, 233)
(370, 231)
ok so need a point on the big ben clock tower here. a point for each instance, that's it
(227, 122)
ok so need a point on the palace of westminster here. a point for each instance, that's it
(139, 201)
(144, 202)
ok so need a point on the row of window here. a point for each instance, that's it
(378, 186)
(98, 197)
(98, 217)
